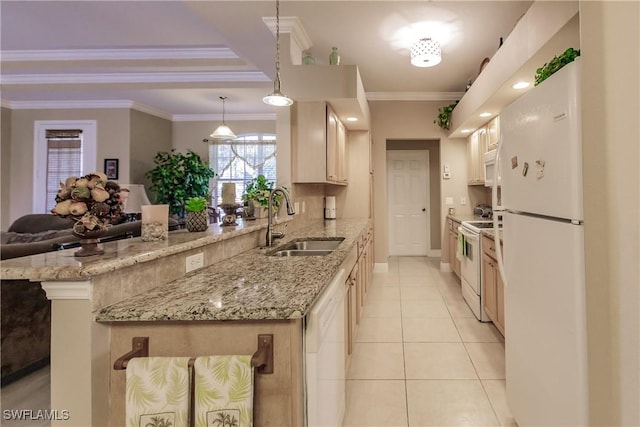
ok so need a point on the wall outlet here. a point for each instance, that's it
(195, 262)
(304, 207)
(463, 201)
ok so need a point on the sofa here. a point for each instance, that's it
(25, 312)
(37, 233)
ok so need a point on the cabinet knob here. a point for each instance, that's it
(424, 209)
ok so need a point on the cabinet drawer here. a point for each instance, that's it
(489, 246)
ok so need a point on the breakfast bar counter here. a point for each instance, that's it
(252, 285)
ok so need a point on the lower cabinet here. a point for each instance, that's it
(453, 246)
(355, 291)
(492, 285)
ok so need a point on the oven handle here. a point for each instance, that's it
(468, 235)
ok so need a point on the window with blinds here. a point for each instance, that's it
(64, 159)
(240, 160)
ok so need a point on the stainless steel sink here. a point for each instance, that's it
(299, 252)
(311, 245)
(308, 247)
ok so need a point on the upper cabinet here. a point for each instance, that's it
(476, 147)
(319, 152)
(493, 133)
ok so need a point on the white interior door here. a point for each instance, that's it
(408, 202)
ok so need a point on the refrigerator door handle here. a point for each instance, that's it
(496, 213)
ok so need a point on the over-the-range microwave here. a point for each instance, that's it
(489, 159)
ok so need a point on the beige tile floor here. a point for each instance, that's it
(421, 358)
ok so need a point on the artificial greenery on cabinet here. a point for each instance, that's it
(178, 177)
(444, 116)
(548, 69)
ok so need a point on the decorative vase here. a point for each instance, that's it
(334, 57)
(197, 221)
(308, 59)
(260, 211)
(89, 243)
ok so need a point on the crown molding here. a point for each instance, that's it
(228, 117)
(414, 96)
(118, 54)
(127, 104)
(162, 77)
(86, 104)
(290, 25)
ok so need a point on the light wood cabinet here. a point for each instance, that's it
(356, 288)
(493, 133)
(453, 245)
(492, 285)
(476, 147)
(319, 152)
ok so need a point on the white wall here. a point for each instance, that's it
(610, 47)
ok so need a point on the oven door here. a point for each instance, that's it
(470, 264)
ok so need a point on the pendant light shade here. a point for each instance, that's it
(425, 53)
(277, 98)
(223, 131)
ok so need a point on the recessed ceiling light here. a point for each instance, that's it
(352, 119)
(521, 85)
(465, 130)
(485, 114)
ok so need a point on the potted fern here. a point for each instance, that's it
(197, 218)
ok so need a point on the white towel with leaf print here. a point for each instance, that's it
(223, 391)
(157, 392)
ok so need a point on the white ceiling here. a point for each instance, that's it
(176, 58)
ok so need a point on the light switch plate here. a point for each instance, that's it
(194, 262)
(448, 201)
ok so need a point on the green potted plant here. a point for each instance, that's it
(178, 177)
(444, 116)
(197, 217)
(257, 193)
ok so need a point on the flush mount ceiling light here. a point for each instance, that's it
(521, 85)
(277, 98)
(485, 114)
(223, 131)
(425, 53)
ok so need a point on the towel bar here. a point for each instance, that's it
(262, 359)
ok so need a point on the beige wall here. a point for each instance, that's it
(610, 44)
(5, 167)
(113, 142)
(149, 135)
(433, 146)
(413, 120)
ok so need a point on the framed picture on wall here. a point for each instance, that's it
(111, 168)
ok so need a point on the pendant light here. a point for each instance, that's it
(223, 131)
(276, 97)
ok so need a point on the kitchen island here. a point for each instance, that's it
(100, 304)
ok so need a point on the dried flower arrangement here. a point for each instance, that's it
(93, 201)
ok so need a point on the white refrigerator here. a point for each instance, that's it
(540, 166)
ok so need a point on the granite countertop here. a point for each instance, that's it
(62, 265)
(249, 286)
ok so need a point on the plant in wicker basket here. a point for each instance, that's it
(197, 217)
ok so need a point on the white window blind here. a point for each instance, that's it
(64, 159)
(241, 160)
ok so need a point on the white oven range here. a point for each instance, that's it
(471, 265)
